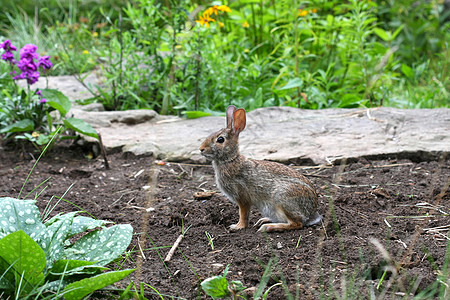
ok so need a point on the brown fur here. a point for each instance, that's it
(285, 198)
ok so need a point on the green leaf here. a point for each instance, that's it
(259, 97)
(82, 224)
(237, 286)
(384, 35)
(396, 32)
(82, 288)
(292, 83)
(43, 139)
(70, 267)
(408, 71)
(101, 246)
(195, 114)
(216, 287)
(58, 232)
(27, 258)
(18, 215)
(20, 126)
(81, 126)
(57, 100)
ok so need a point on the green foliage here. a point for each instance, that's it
(30, 115)
(40, 258)
(218, 286)
(310, 54)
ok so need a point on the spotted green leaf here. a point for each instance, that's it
(82, 224)
(101, 246)
(17, 215)
(58, 233)
(82, 288)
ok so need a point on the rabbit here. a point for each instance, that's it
(286, 199)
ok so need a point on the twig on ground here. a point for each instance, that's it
(102, 148)
(174, 247)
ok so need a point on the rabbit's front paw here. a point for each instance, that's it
(238, 226)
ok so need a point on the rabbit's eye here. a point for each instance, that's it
(220, 139)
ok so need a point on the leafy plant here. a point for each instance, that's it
(219, 287)
(39, 258)
(27, 115)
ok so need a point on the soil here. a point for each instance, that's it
(378, 215)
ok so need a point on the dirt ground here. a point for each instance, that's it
(378, 215)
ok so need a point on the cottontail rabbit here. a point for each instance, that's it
(286, 199)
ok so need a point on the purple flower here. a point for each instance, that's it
(27, 64)
(45, 62)
(38, 92)
(29, 51)
(7, 46)
(8, 56)
(43, 100)
(33, 77)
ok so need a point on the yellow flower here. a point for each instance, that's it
(245, 24)
(178, 47)
(216, 8)
(95, 34)
(35, 134)
(302, 12)
(314, 10)
(205, 19)
(85, 52)
(221, 25)
(212, 10)
(246, 51)
(224, 8)
(70, 46)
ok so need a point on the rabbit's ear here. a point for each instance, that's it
(239, 120)
(230, 112)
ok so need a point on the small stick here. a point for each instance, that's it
(102, 148)
(174, 247)
(140, 249)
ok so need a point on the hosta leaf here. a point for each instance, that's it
(57, 100)
(20, 126)
(25, 256)
(81, 126)
(101, 246)
(82, 288)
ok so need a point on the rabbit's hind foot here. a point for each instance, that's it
(271, 227)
